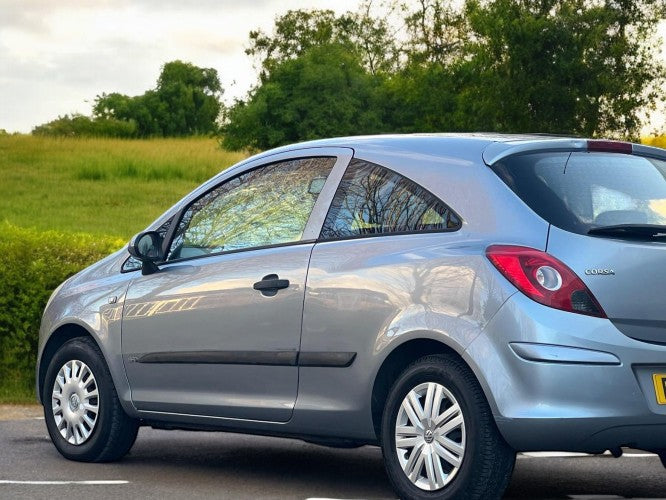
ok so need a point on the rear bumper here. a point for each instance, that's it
(563, 381)
(592, 435)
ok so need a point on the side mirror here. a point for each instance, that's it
(147, 247)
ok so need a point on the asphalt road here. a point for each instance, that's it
(178, 464)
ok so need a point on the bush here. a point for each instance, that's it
(83, 126)
(32, 265)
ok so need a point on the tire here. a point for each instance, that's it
(484, 460)
(85, 386)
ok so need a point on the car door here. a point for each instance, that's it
(216, 331)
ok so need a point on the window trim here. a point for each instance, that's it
(395, 233)
(342, 158)
(227, 252)
(238, 250)
(386, 235)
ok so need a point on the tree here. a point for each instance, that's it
(421, 98)
(373, 36)
(186, 101)
(436, 32)
(370, 38)
(324, 92)
(295, 32)
(562, 66)
(567, 66)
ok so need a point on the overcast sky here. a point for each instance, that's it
(57, 55)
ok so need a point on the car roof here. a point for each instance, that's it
(472, 143)
(489, 146)
(413, 141)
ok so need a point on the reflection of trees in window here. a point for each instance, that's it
(374, 200)
(266, 206)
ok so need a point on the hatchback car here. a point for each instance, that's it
(452, 298)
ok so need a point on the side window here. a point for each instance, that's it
(266, 206)
(134, 264)
(374, 200)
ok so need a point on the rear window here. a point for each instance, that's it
(581, 191)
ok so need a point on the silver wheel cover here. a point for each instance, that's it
(75, 402)
(430, 436)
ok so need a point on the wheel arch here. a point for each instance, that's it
(485, 469)
(398, 359)
(57, 339)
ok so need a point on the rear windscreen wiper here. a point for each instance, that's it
(631, 231)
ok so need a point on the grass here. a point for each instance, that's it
(105, 186)
(101, 186)
(19, 392)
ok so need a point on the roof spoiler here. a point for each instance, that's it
(499, 150)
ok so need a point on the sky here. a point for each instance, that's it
(57, 55)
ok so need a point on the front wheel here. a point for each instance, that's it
(82, 411)
(439, 438)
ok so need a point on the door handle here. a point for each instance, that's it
(270, 284)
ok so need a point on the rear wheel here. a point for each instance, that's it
(83, 414)
(439, 437)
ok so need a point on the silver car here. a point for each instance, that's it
(451, 298)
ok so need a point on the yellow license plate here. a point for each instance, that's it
(659, 380)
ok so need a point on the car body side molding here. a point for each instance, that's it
(326, 359)
(268, 358)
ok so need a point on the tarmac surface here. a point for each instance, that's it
(180, 464)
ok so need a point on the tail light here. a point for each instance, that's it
(544, 279)
(610, 146)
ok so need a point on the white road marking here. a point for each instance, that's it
(96, 482)
(553, 454)
(593, 497)
(564, 454)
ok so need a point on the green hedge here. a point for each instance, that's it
(32, 265)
